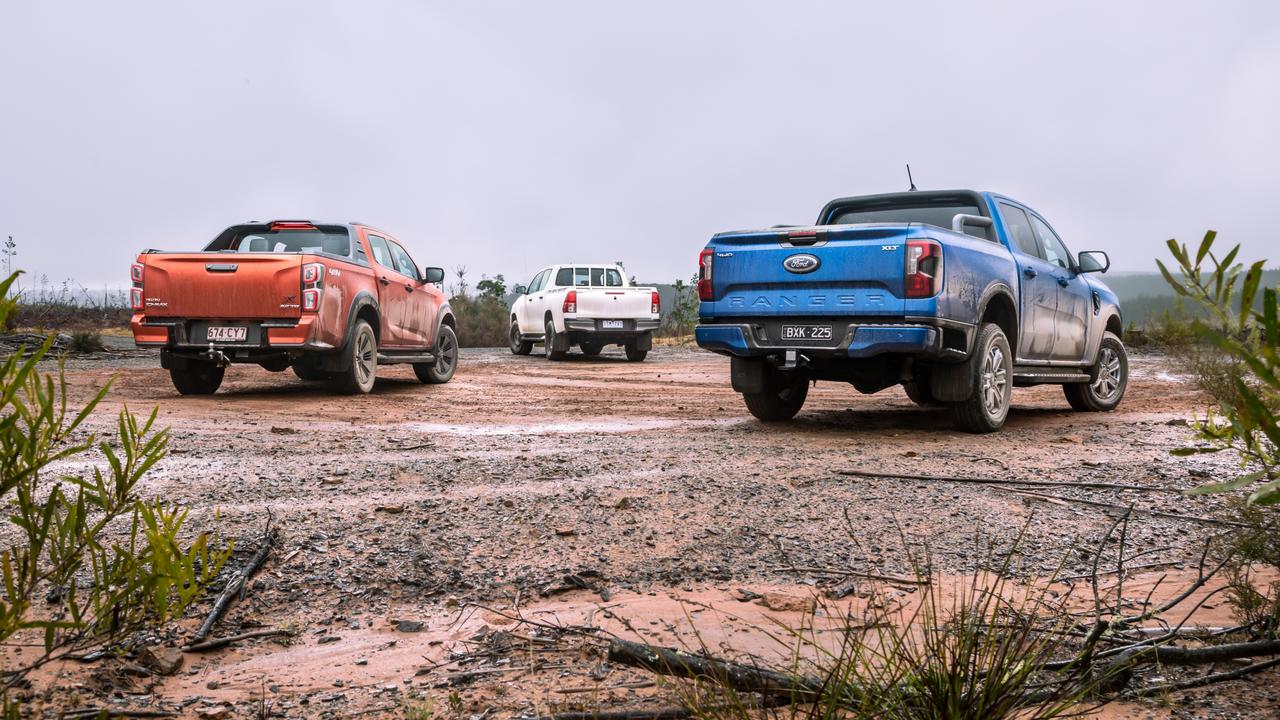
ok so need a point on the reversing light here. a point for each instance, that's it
(311, 300)
(135, 298)
(312, 273)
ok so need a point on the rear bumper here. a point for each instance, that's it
(264, 336)
(595, 325)
(860, 340)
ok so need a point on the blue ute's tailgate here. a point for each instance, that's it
(859, 272)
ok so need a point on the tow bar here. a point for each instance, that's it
(216, 356)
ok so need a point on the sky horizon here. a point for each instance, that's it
(507, 136)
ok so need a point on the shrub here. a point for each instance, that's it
(105, 562)
(86, 341)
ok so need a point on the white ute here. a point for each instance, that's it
(585, 305)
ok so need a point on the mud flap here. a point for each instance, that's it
(951, 382)
(644, 342)
(747, 374)
(560, 342)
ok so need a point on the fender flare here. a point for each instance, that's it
(338, 361)
(994, 289)
(444, 313)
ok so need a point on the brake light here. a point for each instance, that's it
(923, 272)
(135, 293)
(311, 300)
(655, 303)
(292, 225)
(570, 302)
(704, 274)
(312, 273)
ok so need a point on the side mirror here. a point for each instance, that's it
(1094, 261)
(433, 275)
(520, 290)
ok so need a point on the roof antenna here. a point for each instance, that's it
(913, 182)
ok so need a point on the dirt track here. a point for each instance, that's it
(523, 479)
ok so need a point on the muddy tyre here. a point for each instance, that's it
(591, 349)
(783, 396)
(440, 371)
(991, 366)
(918, 390)
(362, 365)
(197, 378)
(635, 354)
(1110, 378)
(549, 343)
(518, 346)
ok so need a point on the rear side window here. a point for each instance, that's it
(381, 253)
(1019, 229)
(327, 239)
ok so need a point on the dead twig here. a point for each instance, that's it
(225, 641)
(1006, 481)
(1125, 508)
(735, 676)
(236, 583)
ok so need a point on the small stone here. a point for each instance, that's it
(566, 531)
(331, 481)
(392, 509)
(410, 626)
(362, 661)
(451, 602)
(283, 430)
(329, 639)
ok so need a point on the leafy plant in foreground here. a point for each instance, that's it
(104, 562)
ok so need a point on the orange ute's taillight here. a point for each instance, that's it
(135, 293)
(704, 274)
(570, 302)
(312, 286)
(923, 272)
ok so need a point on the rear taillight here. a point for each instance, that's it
(655, 303)
(704, 274)
(135, 293)
(312, 286)
(570, 302)
(923, 273)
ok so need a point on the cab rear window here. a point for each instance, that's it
(588, 277)
(322, 239)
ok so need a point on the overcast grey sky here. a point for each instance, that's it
(505, 136)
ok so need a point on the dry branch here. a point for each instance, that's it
(236, 583)
(735, 676)
(1007, 481)
(225, 641)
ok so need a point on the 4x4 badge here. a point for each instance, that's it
(802, 263)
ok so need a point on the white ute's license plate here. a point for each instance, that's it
(223, 333)
(806, 332)
(611, 324)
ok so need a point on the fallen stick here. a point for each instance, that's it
(735, 676)
(605, 688)
(1203, 680)
(1005, 481)
(118, 712)
(225, 641)
(236, 583)
(856, 573)
(1126, 508)
(1130, 570)
(654, 714)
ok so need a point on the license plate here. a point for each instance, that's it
(223, 333)
(806, 332)
(611, 324)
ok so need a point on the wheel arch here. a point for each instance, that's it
(999, 307)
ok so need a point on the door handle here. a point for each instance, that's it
(1061, 280)
(1029, 272)
(384, 281)
(408, 287)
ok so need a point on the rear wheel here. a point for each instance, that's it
(635, 354)
(549, 341)
(783, 396)
(992, 367)
(514, 341)
(440, 371)
(1111, 377)
(197, 378)
(362, 368)
(591, 349)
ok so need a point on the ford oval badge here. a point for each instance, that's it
(802, 263)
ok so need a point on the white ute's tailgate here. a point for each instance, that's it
(622, 302)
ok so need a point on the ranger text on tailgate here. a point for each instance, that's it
(956, 295)
(333, 302)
